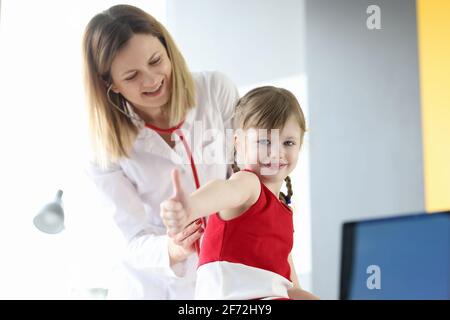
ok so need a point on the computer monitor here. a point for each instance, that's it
(404, 258)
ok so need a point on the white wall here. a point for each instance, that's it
(366, 145)
(252, 40)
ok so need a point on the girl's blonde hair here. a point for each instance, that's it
(269, 108)
(113, 133)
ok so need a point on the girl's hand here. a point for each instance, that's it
(176, 212)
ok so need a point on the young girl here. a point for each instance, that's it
(246, 248)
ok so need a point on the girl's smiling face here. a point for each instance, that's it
(272, 154)
(141, 72)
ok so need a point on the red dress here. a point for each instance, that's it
(247, 257)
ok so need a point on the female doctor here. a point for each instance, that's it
(143, 106)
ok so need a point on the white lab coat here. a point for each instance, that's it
(136, 186)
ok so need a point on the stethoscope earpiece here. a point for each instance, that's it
(127, 114)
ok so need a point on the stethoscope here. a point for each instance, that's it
(180, 134)
(175, 130)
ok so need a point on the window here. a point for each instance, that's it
(44, 143)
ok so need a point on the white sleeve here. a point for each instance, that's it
(226, 96)
(150, 251)
(147, 247)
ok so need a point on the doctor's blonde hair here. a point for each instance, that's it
(269, 108)
(113, 133)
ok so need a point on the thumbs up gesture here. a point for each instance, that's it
(176, 211)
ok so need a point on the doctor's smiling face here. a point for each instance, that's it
(141, 72)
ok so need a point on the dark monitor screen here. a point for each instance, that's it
(406, 257)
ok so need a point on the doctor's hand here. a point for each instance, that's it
(177, 217)
(182, 244)
(176, 212)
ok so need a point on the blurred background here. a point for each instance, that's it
(375, 87)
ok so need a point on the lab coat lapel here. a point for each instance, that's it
(151, 142)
